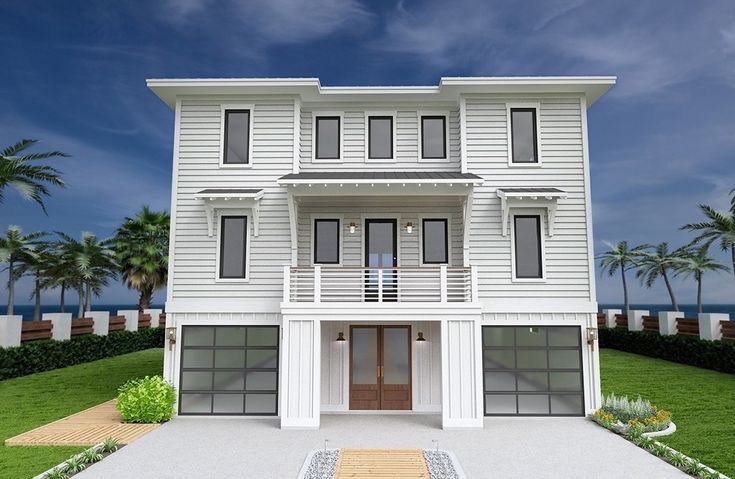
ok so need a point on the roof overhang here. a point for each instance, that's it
(449, 89)
(530, 197)
(232, 199)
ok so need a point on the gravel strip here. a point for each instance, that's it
(323, 464)
(440, 465)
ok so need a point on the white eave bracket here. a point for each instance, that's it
(547, 198)
(230, 198)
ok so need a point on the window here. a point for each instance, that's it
(327, 136)
(527, 238)
(237, 137)
(380, 137)
(326, 241)
(524, 139)
(435, 244)
(233, 247)
(433, 137)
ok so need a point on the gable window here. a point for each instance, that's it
(380, 137)
(233, 247)
(435, 241)
(237, 137)
(524, 137)
(327, 137)
(433, 137)
(527, 247)
(326, 241)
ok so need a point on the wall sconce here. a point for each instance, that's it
(353, 226)
(591, 337)
(341, 336)
(171, 335)
(409, 227)
(420, 337)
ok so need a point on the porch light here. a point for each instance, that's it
(420, 337)
(591, 336)
(341, 336)
(409, 227)
(353, 226)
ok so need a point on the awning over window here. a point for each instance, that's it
(230, 198)
(530, 197)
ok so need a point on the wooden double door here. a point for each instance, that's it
(380, 367)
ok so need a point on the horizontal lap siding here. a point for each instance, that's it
(567, 264)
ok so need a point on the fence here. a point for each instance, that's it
(709, 326)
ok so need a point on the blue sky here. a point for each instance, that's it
(661, 142)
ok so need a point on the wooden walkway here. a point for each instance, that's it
(85, 428)
(381, 464)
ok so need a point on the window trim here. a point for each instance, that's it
(340, 242)
(220, 240)
(420, 127)
(448, 236)
(380, 114)
(536, 107)
(542, 247)
(224, 108)
(327, 114)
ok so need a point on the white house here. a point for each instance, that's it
(421, 249)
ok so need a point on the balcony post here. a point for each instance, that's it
(286, 283)
(317, 283)
(380, 285)
(443, 283)
(474, 294)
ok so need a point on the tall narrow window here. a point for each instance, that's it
(433, 137)
(237, 137)
(435, 242)
(527, 233)
(233, 247)
(380, 137)
(326, 241)
(524, 135)
(327, 138)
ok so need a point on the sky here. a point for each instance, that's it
(661, 142)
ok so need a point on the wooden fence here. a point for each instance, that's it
(162, 320)
(650, 323)
(117, 323)
(621, 321)
(144, 321)
(36, 330)
(601, 320)
(81, 326)
(687, 327)
(728, 330)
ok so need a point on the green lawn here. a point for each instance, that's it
(31, 401)
(701, 401)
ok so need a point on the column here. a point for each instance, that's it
(462, 394)
(300, 379)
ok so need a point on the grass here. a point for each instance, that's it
(701, 402)
(35, 400)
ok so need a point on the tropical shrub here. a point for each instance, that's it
(146, 400)
(631, 417)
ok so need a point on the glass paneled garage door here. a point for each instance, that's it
(229, 370)
(532, 371)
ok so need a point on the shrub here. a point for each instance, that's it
(631, 417)
(109, 445)
(716, 355)
(37, 356)
(147, 400)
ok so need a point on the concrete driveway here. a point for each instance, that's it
(256, 448)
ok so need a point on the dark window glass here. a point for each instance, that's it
(528, 246)
(435, 244)
(433, 137)
(523, 134)
(326, 241)
(380, 137)
(237, 137)
(233, 246)
(327, 137)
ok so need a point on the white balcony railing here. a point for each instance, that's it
(440, 284)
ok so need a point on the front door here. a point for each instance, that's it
(380, 367)
(381, 257)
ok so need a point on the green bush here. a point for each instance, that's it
(146, 400)
(716, 355)
(37, 356)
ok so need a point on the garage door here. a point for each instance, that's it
(532, 371)
(229, 370)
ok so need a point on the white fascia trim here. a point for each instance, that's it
(537, 305)
(223, 305)
(588, 200)
(340, 311)
(174, 191)
(223, 110)
(419, 128)
(314, 115)
(383, 181)
(391, 113)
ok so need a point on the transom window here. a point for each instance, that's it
(327, 135)
(237, 137)
(435, 244)
(233, 247)
(524, 138)
(380, 137)
(527, 237)
(326, 241)
(434, 137)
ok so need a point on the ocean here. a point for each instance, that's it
(689, 310)
(26, 310)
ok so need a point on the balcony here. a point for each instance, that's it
(438, 284)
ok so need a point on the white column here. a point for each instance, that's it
(443, 283)
(131, 318)
(710, 327)
(11, 327)
(301, 372)
(635, 319)
(101, 326)
(62, 325)
(171, 351)
(667, 322)
(155, 313)
(462, 404)
(610, 316)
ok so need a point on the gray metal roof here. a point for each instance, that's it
(380, 175)
(229, 191)
(531, 190)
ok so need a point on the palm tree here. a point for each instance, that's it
(720, 227)
(37, 266)
(142, 253)
(17, 169)
(620, 257)
(696, 263)
(655, 264)
(60, 272)
(17, 250)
